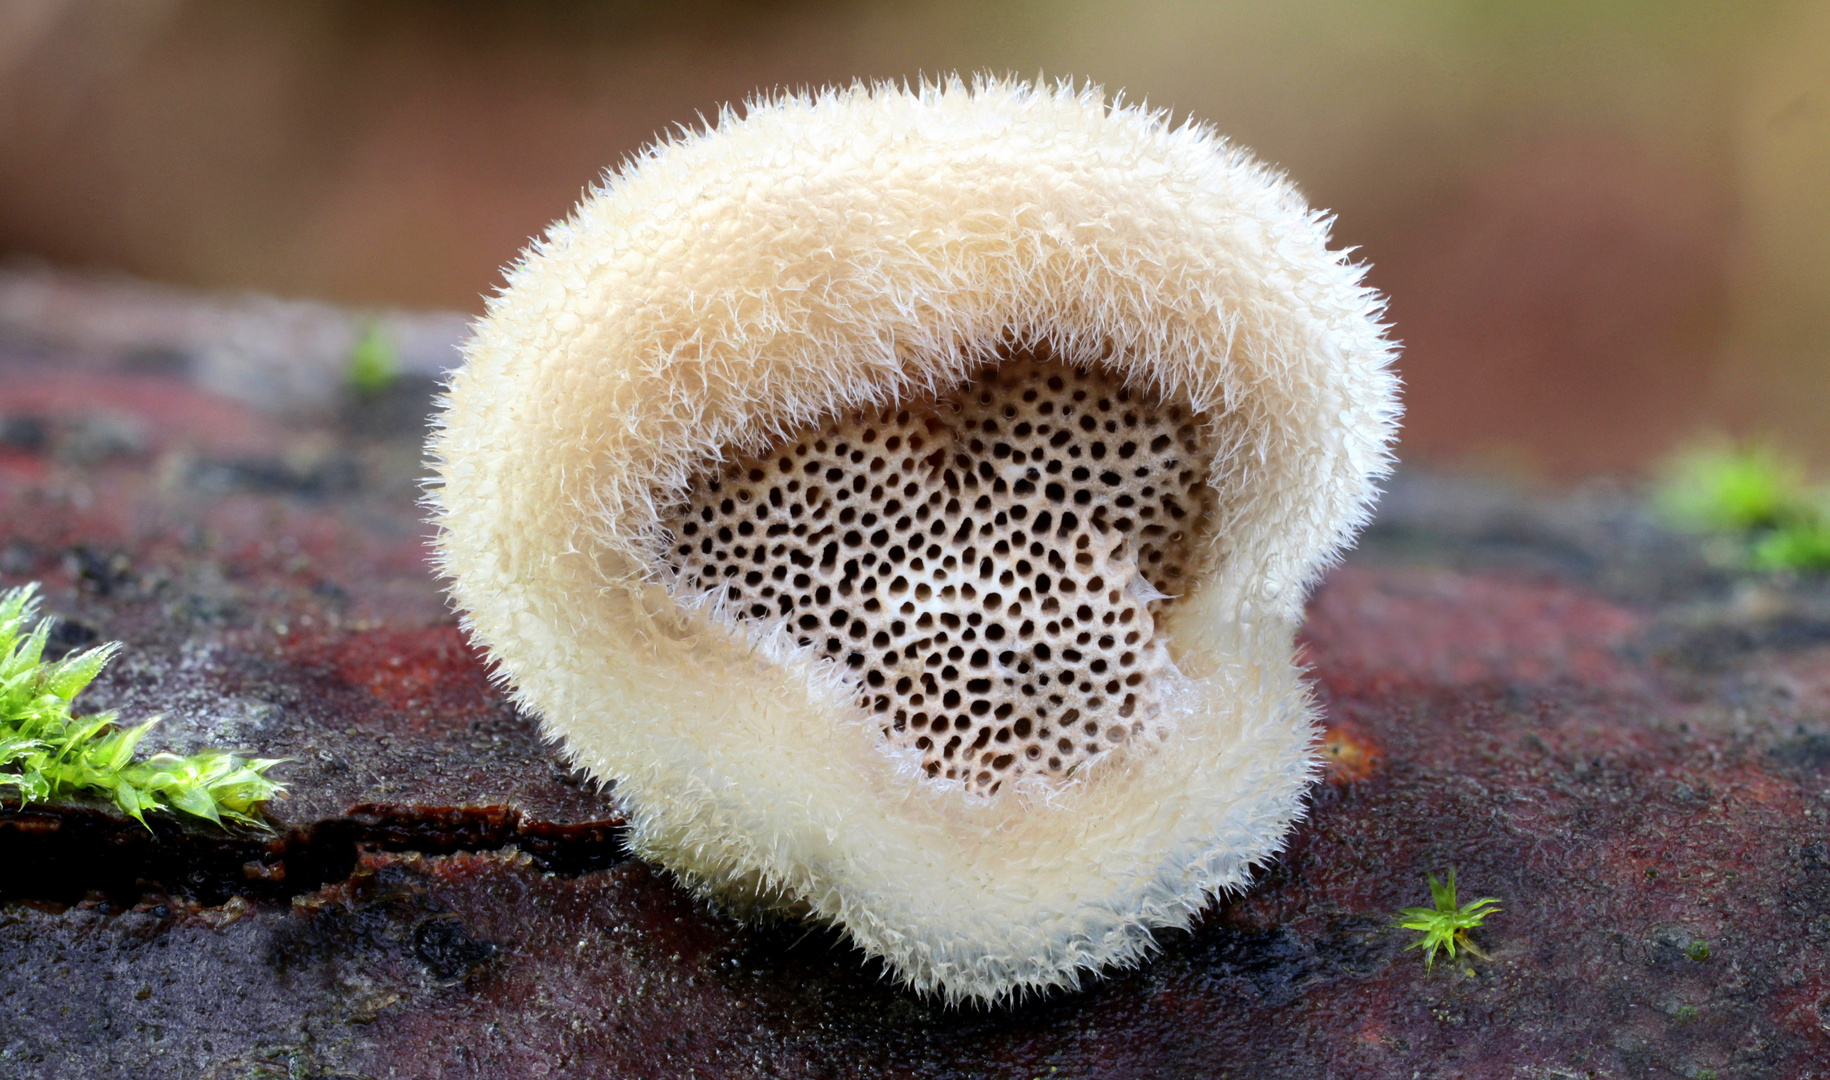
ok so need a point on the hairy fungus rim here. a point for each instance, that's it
(626, 372)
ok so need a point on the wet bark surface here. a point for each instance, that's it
(1589, 717)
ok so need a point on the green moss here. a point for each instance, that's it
(46, 751)
(1754, 496)
(1731, 489)
(374, 362)
(1795, 545)
(1446, 925)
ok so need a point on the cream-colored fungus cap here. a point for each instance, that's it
(907, 499)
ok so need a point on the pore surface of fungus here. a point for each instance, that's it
(908, 498)
(984, 565)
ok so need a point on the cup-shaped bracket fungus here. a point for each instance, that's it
(907, 498)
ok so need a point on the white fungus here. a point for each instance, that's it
(906, 499)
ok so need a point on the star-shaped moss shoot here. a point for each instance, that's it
(1446, 925)
(47, 752)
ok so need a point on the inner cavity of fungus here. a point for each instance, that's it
(989, 567)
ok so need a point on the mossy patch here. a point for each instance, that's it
(1755, 497)
(47, 751)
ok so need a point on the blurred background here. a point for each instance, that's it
(1604, 225)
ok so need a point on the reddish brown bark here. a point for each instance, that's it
(1627, 746)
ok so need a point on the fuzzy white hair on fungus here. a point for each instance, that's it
(745, 311)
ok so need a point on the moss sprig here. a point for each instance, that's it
(1757, 499)
(1446, 925)
(47, 751)
(374, 362)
